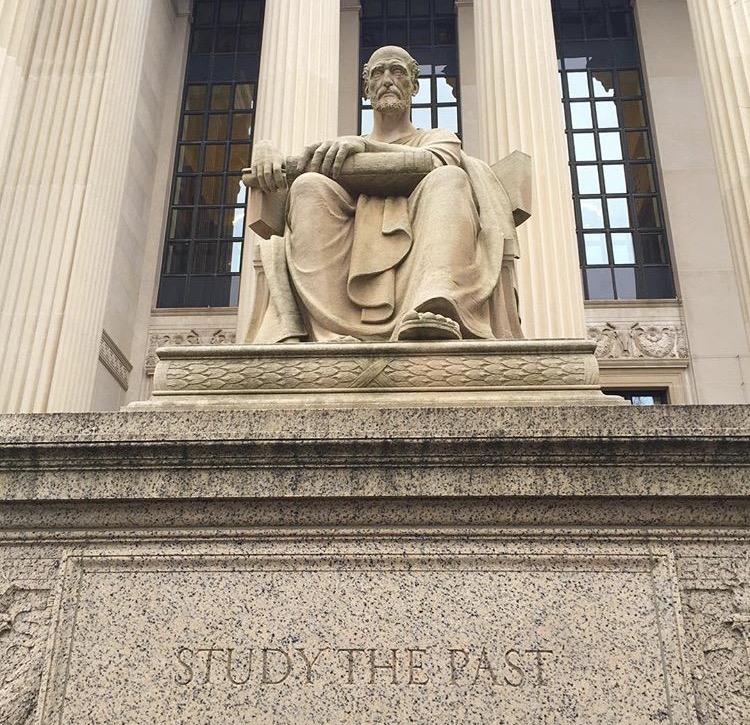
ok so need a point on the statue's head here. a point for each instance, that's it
(390, 79)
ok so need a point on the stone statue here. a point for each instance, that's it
(397, 235)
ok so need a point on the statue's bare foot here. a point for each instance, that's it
(427, 326)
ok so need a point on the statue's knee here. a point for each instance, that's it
(308, 182)
(450, 177)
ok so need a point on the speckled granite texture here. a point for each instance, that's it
(523, 566)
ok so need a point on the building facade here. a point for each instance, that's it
(124, 127)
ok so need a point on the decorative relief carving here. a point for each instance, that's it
(657, 341)
(716, 606)
(24, 626)
(190, 337)
(347, 372)
(114, 360)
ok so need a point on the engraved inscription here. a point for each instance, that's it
(417, 666)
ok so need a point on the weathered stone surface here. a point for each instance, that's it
(426, 565)
(521, 372)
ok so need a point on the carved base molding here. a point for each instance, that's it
(525, 372)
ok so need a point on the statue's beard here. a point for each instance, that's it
(390, 106)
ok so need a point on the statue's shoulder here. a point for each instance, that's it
(430, 136)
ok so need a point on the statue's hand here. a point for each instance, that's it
(268, 167)
(327, 157)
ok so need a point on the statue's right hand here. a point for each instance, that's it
(268, 167)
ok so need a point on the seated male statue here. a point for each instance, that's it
(360, 261)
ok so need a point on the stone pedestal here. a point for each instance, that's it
(565, 566)
(475, 372)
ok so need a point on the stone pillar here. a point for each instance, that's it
(60, 198)
(722, 39)
(520, 108)
(297, 99)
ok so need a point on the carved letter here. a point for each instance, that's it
(539, 662)
(484, 664)
(308, 664)
(349, 652)
(266, 677)
(188, 667)
(209, 659)
(515, 666)
(415, 663)
(391, 667)
(230, 652)
(454, 666)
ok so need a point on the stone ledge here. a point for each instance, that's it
(475, 372)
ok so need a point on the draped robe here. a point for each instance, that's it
(354, 265)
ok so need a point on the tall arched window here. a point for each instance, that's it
(619, 213)
(203, 246)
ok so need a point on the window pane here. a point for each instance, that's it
(208, 223)
(630, 83)
(243, 95)
(424, 94)
(230, 256)
(603, 84)
(592, 216)
(242, 126)
(580, 115)
(236, 223)
(421, 117)
(180, 224)
(448, 118)
(599, 283)
(653, 249)
(211, 190)
(632, 114)
(643, 178)
(618, 213)
(220, 95)
(187, 160)
(445, 89)
(213, 159)
(584, 149)
(638, 145)
(184, 190)
(647, 211)
(192, 128)
(177, 257)
(239, 156)
(195, 99)
(578, 84)
(588, 179)
(236, 191)
(614, 179)
(622, 248)
(217, 127)
(596, 249)
(625, 283)
(658, 281)
(611, 146)
(606, 114)
(204, 257)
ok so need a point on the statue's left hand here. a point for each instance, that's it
(327, 157)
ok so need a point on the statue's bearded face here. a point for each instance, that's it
(390, 86)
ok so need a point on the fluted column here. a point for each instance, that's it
(297, 99)
(520, 108)
(60, 199)
(722, 38)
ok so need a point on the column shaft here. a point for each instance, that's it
(722, 38)
(60, 198)
(519, 108)
(297, 95)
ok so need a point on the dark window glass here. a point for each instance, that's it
(622, 239)
(642, 397)
(203, 247)
(427, 29)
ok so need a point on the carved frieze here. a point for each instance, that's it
(656, 341)
(166, 338)
(25, 605)
(716, 607)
